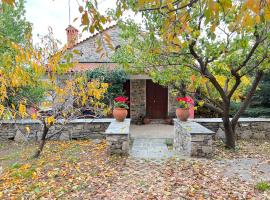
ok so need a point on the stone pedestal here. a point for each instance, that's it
(117, 137)
(192, 139)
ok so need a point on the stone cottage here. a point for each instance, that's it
(146, 97)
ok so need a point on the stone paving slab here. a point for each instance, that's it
(150, 149)
(120, 128)
(151, 131)
(247, 169)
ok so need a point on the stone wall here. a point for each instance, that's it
(247, 128)
(172, 104)
(192, 139)
(87, 47)
(137, 98)
(24, 130)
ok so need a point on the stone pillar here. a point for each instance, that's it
(192, 139)
(117, 137)
(137, 98)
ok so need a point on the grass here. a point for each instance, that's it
(263, 186)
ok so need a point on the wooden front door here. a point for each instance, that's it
(156, 100)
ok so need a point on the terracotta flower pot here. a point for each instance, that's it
(182, 114)
(168, 121)
(120, 114)
(146, 120)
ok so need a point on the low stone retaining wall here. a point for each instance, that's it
(116, 133)
(117, 136)
(192, 139)
(24, 130)
(247, 128)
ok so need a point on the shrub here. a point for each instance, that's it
(116, 79)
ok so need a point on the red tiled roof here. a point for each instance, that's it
(83, 67)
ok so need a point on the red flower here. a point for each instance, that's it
(121, 99)
(184, 99)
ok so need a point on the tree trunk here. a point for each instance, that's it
(43, 140)
(230, 138)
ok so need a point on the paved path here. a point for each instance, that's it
(150, 149)
(151, 131)
(247, 169)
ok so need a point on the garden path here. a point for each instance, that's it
(151, 131)
(150, 149)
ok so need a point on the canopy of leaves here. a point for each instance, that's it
(199, 43)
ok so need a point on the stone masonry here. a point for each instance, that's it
(172, 104)
(117, 137)
(247, 128)
(137, 98)
(87, 47)
(25, 130)
(192, 139)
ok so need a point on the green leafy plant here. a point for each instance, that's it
(263, 186)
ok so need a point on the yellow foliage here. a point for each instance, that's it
(34, 116)
(245, 80)
(221, 80)
(2, 109)
(50, 120)
(22, 110)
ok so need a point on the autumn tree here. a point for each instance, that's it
(64, 93)
(220, 47)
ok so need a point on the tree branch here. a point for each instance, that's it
(166, 7)
(252, 51)
(235, 86)
(245, 104)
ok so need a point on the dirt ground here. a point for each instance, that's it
(83, 170)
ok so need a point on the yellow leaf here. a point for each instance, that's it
(51, 120)
(254, 5)
(27, 129)
(2, 109)
(257, 19)
(204, 80)
(267, 13)
(85, 19)
(34, 116)
(245, 80)
(200, 103)
(22, 110)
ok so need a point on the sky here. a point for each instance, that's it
(55, 13)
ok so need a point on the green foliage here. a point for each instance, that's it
(263, 186)
(115, 78)
(32, 94)
(257, 111)
(260, 104)
(262, 95)
(13, 24)
(120, 105)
